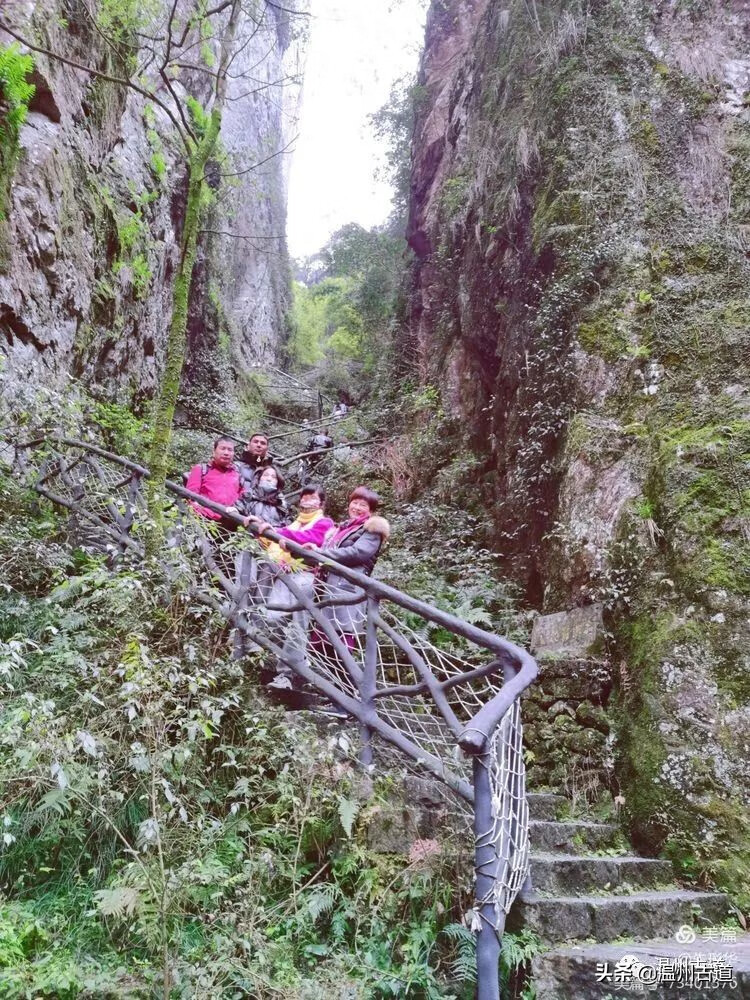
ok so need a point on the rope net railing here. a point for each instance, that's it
(441, 692)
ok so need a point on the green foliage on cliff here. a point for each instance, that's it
(15, 91)
(393, 126)
(15, 94)
(120, 20)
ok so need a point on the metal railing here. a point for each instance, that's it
(439, 690)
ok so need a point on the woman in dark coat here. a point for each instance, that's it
(356, 543)
(265, 499)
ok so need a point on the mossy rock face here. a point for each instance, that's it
(566, 737)
(683, 767)
(602, 336)
(704, 490)
(615, 377)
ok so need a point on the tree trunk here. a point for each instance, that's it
(170, 385)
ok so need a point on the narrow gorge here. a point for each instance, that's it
(540, 363)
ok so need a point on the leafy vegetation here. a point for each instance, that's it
(343, 317)
(164, 829)
(15, 94)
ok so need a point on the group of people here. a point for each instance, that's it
(251, 489)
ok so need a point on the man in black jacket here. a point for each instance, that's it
(253, 460)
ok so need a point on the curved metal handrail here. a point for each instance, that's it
(496, 824)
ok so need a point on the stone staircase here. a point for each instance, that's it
(595, 902)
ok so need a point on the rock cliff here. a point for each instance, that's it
(96, 198)
(579, 210)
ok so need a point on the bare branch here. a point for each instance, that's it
(226, 47)
(266, 86)
(246, 42)
(239, 236)
(100, 75)
(168, 49)
(288, 10)
(219, 9)
(247, 239)
(144, 66)
(163, 74)
(279, 152)
(196, 68)
(151, 38)
(178, 104)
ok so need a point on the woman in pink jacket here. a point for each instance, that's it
(309, 528)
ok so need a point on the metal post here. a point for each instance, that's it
(486, 864)
(369, 681)
(134, 489)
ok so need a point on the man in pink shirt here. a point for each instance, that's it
(218, 480)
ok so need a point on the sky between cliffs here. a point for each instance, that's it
(357, 49)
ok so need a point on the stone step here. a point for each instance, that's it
(605, 918)
(571, 836)
(569, 874)
(571, 973)
(545, 805)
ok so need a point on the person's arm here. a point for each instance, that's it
(243, 504)
(314, 535)
(364, 549)
(194, 480)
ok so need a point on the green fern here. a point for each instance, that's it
(119, 902)
(15, 92)
(476, 616)
(321, 900)
(463, 965)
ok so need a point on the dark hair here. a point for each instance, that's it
(279, 477)
(313, 488)
(223, 437)
(370, 497)
(258, 434)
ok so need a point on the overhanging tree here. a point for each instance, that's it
(166, 43)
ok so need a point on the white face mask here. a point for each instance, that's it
(309, 503)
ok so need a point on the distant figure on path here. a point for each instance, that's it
(320, 441)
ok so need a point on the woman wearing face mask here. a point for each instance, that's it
(309, 527)
(289, 628)
(265, 502)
